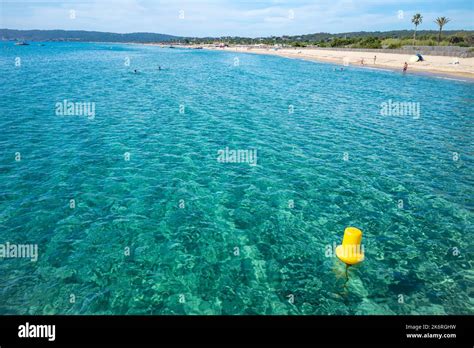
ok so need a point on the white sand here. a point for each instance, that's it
(431, 64)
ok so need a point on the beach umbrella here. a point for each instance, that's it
(416, 58)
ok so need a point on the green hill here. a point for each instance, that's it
(80, 35)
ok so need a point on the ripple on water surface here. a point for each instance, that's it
(174, 231)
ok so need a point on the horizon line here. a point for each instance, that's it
(235, 36)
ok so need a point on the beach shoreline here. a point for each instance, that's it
(441, 66)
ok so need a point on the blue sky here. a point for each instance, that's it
(236, 18)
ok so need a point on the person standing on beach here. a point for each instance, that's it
(405, 67)
(375, 58)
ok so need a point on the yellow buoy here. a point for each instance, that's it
(350, 251)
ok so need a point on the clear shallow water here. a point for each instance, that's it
(190, 251)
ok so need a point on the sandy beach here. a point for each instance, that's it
(451, 66)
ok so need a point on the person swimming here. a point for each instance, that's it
(159, 67)
(135, 71)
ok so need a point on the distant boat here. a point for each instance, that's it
(21, 43)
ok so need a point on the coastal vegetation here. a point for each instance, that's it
(417, 20)
(389, 39)
(441, 21)
(378, 40)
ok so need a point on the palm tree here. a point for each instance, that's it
(417, 20)
(441, 21)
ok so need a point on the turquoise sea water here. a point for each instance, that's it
(207, 237)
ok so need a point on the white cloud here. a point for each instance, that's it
(225, 17)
